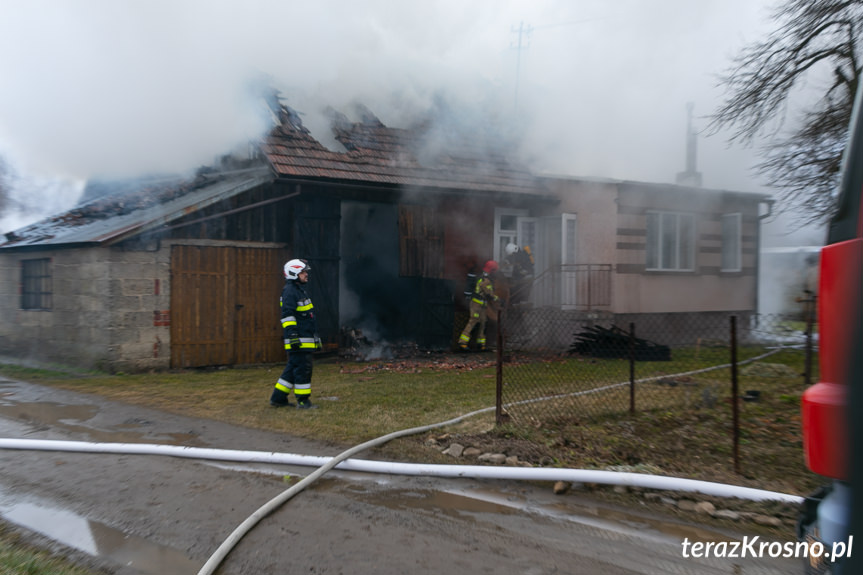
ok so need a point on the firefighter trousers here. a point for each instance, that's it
(478, 316)
(297, 375)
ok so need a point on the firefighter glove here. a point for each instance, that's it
(295, 343)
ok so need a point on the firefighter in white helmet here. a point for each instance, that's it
(301, 338)
(483, 294)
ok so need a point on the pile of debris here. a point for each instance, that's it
(441, 362)
(613, 342)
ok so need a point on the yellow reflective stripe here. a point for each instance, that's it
(305, 343)
(479, 301)
(306, 306)
(464, 337)
(281, 387)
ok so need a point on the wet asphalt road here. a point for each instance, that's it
(134, 514)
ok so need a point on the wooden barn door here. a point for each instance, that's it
(224, 306)
(257, 327)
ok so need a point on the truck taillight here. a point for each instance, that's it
(825, 430)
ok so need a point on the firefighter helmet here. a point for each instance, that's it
(490, 267)
(294, 268)
(511, 249)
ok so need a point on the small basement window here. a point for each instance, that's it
(36, 284)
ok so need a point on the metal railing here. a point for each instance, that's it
(573, 286)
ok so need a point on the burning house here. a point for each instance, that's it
(187, 273)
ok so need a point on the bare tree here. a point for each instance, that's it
(817, 41)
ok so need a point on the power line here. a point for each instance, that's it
(523, 34)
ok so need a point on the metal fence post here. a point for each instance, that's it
(498, 403)
(632, 368)
(735, 402)
(810, 321)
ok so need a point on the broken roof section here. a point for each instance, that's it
(423, 156)
(123, 214)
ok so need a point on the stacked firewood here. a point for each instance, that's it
(613, 342)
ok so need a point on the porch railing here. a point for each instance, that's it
(573, 286)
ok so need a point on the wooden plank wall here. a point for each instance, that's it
(224, 306)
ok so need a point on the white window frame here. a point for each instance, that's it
(731, 253)
(670, 228)
(568, 257)
(568, 245)
(528, 232)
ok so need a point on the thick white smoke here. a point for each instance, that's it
(592, 88)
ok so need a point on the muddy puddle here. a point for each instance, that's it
(93, 538)
(467, 502)
(45, 415)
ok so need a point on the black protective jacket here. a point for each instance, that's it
(298, 317)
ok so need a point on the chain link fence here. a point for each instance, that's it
(577, 366)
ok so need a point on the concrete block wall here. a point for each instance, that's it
(140, 325)
(109, 310)
(71, 332)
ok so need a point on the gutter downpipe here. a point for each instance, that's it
(769, 202)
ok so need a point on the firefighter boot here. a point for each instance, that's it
(279, 398)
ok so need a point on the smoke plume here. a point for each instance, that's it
(589, 88)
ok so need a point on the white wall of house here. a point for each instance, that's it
(106, 307)
(593, 204)
(672, 294)
(612, 229)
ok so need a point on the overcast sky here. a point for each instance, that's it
(599, 88)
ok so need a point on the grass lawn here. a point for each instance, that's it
(362, 401)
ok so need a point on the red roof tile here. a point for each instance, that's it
(375, 153)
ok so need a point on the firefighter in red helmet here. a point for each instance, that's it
(483, 295)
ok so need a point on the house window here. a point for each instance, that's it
(731, 243)
(36, 285)
(670, 241)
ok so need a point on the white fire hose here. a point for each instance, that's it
(343, 462)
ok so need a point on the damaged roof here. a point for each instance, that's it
(115, 217)
(423, 156)
(373, 154)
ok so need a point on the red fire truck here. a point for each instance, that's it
(830, 423)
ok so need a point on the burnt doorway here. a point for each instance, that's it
(316, 239)
(224, 306)
(375, 298)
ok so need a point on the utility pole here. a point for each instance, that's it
(523, 34)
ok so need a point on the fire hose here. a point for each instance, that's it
(343, 461)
